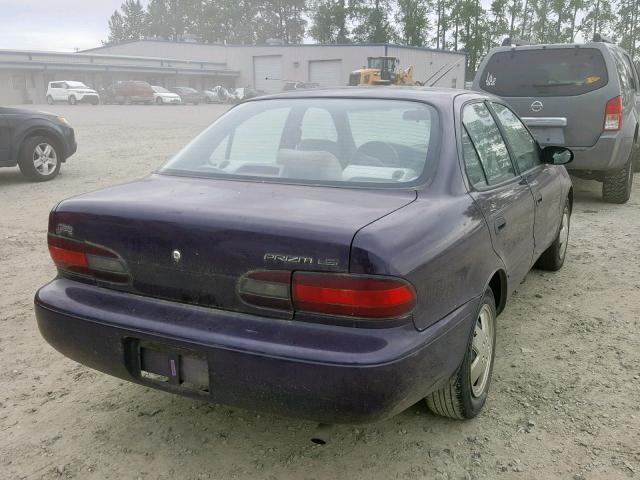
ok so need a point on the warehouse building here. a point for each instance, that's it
(24, 75)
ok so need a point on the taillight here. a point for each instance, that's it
(86, 259)
(267, 289)
(352, 296)
(337, 294)
(613, 115)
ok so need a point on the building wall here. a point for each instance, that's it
(448, 68)
(444, 68)
(179, 50)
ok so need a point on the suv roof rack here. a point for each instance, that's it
(508, 42)
(601, 38)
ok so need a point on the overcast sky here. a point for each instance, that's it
(62, 25)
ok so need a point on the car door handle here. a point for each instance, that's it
(539, 198)
(500, 223)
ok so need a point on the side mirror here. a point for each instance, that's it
(557, 155)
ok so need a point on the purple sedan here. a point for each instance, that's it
(334, 255)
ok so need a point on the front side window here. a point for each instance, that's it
(327, 141)
(488, 143)
(523, 146)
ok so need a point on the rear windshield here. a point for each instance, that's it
(323, 141)
(549, 72)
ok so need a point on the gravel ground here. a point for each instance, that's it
(564, 402)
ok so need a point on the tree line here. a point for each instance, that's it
(460, 25)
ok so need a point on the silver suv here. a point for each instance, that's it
(582, 96)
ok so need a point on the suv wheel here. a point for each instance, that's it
(39, 159)
(72, 100)
(553, 257)
(465, 394)
(616, 187)
(159, 101)
(50, 100)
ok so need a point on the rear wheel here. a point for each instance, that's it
(553, 257)
(159, 101)
(616, 185)
(72, 100)
(50, 100)
(466, 392)
(39, 159)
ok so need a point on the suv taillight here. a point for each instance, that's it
(335, 294)
(613, 115)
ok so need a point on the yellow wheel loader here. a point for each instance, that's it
(382, 71)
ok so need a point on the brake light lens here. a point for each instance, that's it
(352, 295)
(336, 294)
(613, 115)
(86, 259)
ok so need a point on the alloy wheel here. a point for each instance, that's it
(45, 159)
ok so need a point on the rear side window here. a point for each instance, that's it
(489, 145)
(550, 72)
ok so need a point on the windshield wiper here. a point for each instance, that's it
(559, 84)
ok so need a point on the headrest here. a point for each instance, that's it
(309, 165)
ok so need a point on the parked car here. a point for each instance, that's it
(38, 142)
(217, 94)
(189, 95)
(128, 92)
(311, 261)
(163, 96)
(71, 92)
(584, 96)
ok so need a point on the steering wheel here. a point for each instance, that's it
(379, 154)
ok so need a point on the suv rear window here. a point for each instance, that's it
(549, 72)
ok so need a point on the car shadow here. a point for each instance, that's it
(11, 176)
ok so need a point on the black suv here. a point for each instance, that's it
(38, 142)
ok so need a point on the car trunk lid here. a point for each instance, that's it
(190, 240)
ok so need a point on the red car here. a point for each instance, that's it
(128, 92)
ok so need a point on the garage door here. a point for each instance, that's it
(267, 73)
(326, 72)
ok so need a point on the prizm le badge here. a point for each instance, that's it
(300, 260)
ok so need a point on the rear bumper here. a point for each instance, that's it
(318, 372)
(610, 152)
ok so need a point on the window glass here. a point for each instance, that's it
(523, 146)
(544, 72)
(474, 169)
(489, 144)
(313, 140)
(258, 138)
(318, 124)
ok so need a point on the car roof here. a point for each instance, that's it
(438, 96)
(542, 46)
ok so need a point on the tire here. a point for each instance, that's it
(461, 398)
(31, 159)
(72, 100)
(159, 101)
(616, 185)
(553, 257)
(50, 100)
